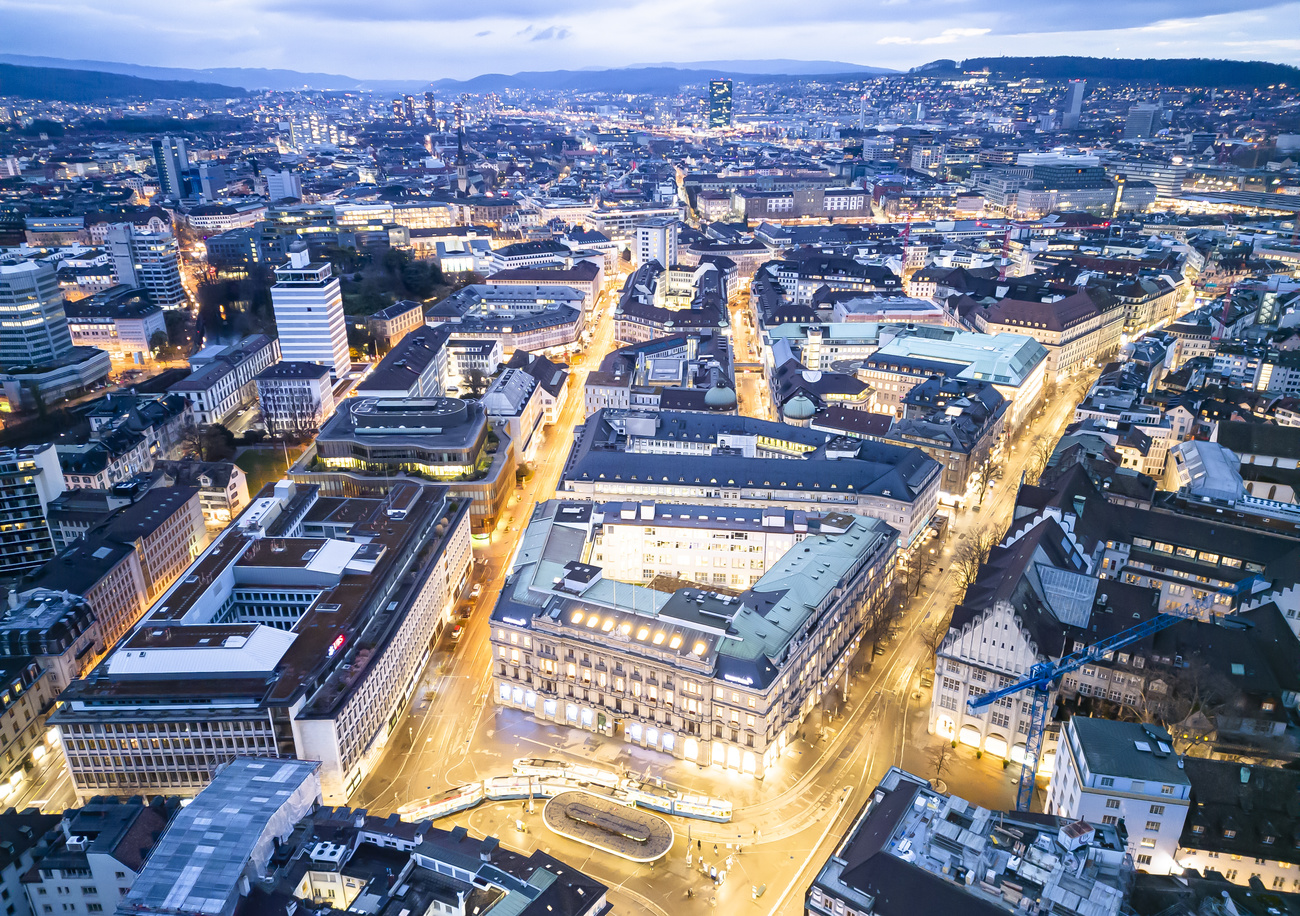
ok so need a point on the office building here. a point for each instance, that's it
(1109, 772)
(587, 276)
(1142, 121)
(680, 372)
(212, 180)
(656, 240)
(912, 850)
(1015, 363)
(122, 321)
(150, 260)
(283, 185)
(719, 105)
(697, 458)
(1078, 331)
(658, 301)
(1074, 104)
(30, 479)
(513, 403)
(172, 161)
(309, 644)
(222, 378)
(371, 442)
(296, 398)
(309, 313)
(35, 329)
(390, 325)
(528, 318)
(466, 355)
(715, 678)
(416, 366)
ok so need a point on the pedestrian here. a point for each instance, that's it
(715, 849)
(699, 844)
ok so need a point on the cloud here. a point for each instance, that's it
(390, 39)
(422, 10)
(946, 37)
(551, 33)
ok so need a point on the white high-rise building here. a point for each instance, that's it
(283, 184)
(309, 313)
(656, 240)
(148, 259)
(1074, 103)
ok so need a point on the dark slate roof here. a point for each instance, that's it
(1260, 804)
(1260, 439)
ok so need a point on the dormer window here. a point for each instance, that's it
(1229, 833)
(1198, 829)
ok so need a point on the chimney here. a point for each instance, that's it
(13, 598)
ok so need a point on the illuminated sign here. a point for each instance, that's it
(747, 681)
(518, 623)
(337, 643)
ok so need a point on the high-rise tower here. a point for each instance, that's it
(719, 104)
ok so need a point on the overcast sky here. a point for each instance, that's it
(429, 39)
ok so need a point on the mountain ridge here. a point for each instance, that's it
(69, 85)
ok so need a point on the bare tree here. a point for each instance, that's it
(972, 552)
(932, 637)
(1040, 452)
(985, 473)
(1185, 701)
(941, 760)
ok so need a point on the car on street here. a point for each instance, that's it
(927, 677)
(456, 631)
(477, 590)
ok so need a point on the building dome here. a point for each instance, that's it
(799, 407)
(720, 397)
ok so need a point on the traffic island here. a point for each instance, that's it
(604, 824)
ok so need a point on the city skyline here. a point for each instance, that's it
(399, 39)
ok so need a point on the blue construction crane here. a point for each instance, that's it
(1044, 675)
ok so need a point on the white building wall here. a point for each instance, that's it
(310, 324)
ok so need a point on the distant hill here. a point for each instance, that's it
(1193, 71)
(776, 67)
(243, 77)
(629, 79)
(635, 78)
(63, 85)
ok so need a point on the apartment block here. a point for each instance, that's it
(328, 636)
